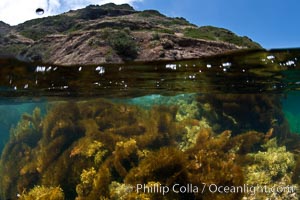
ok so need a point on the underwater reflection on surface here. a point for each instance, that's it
(243, 72)
(90, 132)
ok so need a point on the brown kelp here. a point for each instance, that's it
(244, 112)
(97, 149)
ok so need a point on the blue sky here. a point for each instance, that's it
(272, 23)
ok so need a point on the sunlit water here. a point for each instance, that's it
(134, 130)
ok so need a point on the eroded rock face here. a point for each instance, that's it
(112, 34)
(77, 49)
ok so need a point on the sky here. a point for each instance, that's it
(272, 23)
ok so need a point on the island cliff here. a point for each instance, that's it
(114, 34)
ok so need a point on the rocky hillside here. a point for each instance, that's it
(113, 34)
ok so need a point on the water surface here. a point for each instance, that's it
(134, 130)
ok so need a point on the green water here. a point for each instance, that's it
(222, 127)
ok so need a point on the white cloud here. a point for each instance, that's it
(18, 11)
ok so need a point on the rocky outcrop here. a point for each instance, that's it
(86, 49)
(4, 28)
(114, 34)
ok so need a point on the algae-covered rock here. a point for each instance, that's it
(120, 190)
(188, 109)
(193, 128)
(272, 168)
(43, 193)
(269, 165)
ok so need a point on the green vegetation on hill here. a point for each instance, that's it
(39, 28)
(77, 28)
(219, 34)
(123, 44)
(77, 20)
(112, 6)
(150, 13)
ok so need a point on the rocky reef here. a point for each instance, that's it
(98, 149)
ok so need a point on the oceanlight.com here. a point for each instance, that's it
(212, 188)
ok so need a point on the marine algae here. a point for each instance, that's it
(272, 168)
(244, 112)
(86, 178)
(214, 161)
(97, 149)
(43, 193)
(17, 155)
